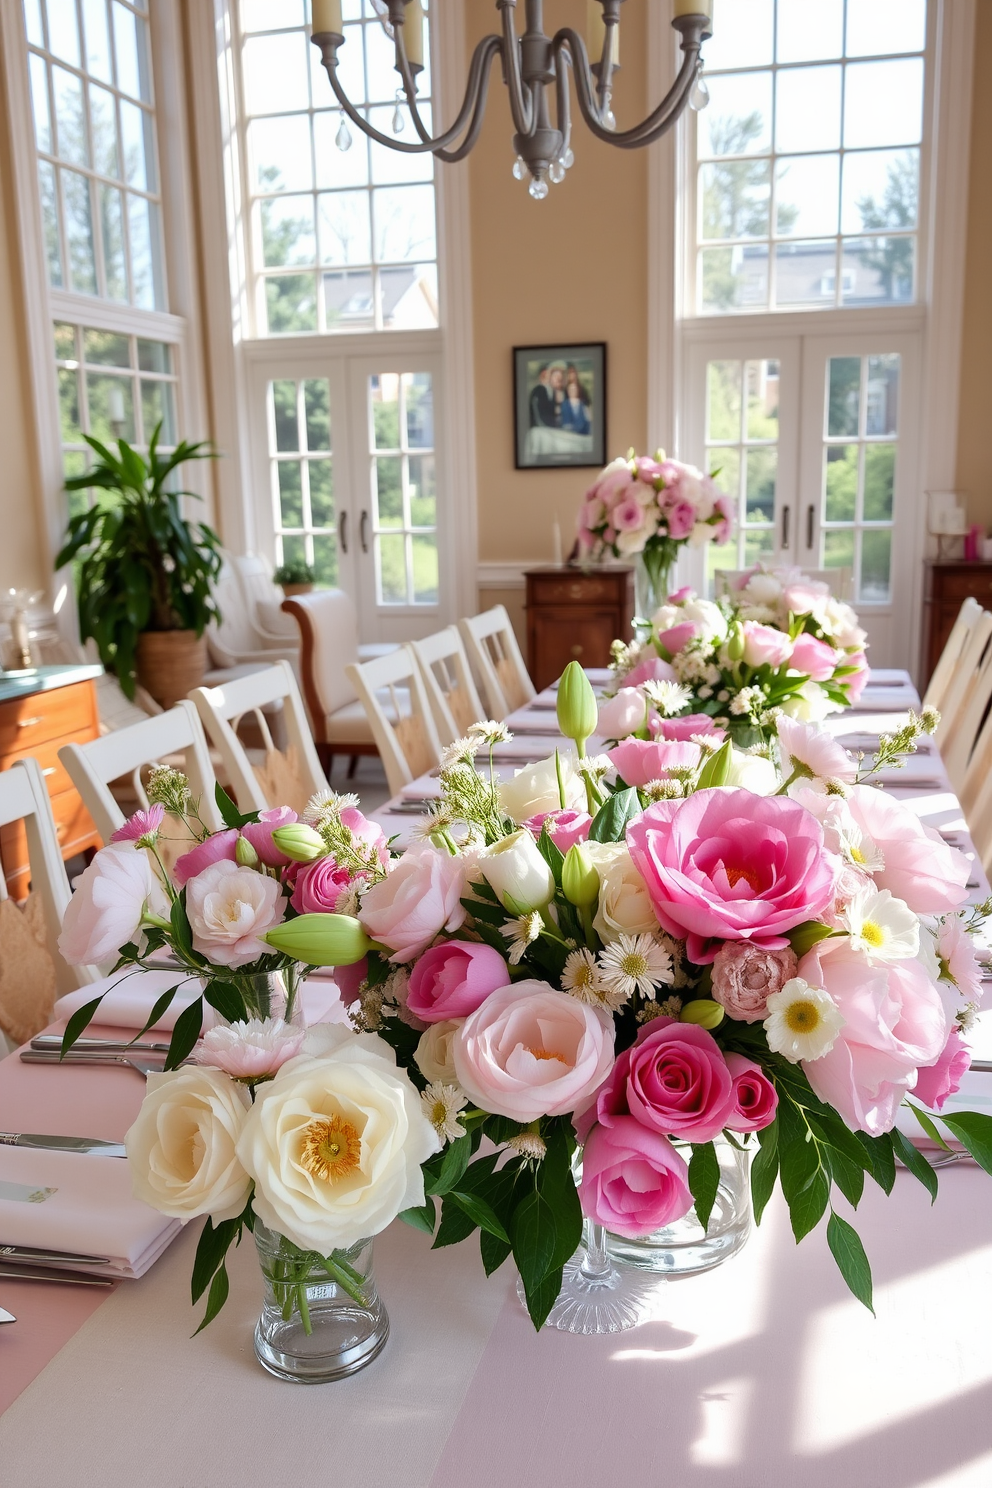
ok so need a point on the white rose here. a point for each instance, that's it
(624, 906)
(810, 704)
(515, 869)
(229, 908)
(762, 589)
(433, 1054)
(752, 772)
(534, 789)
(182, 1147)
(708, 618)
(335, 1143)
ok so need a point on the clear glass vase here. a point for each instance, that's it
(270, 994)
(597, 1296)
(653, 574)
(322, 1318)
(684, 1248)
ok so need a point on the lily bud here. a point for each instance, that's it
(579, 877)
(735, 641)
(244, 854)
(518, 874)
(703, 1012)
(578, 711)
(320, 939)
(299, 843)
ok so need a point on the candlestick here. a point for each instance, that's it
(326, 16)
(693, 7)
(596, 33)
(115, 403)
(413, 33)
(556, 543)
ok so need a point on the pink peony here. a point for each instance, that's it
(730, 865)
(530, 1051)
(109, 903)
(936, 1082)
(416, 901)
(141, 824)
(229, 909)
(453, 979)
(249, 1051)
(653, 669)
(677, 636)
(673, 1079)
(686, 727)
(894, 1022)
(681, 518)
(765, 646)
(755, 1096)
(318, 885)
(919, 867)
(818, 660)
(746, 975)
(638, 761)
(565, 828)
(621, 715)
(633, 1180)
(219, 848)
(259, 834)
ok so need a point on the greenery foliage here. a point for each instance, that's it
(296, 571)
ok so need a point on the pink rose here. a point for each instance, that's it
(746, 975)
(681, 519)
(259, 834)
(765, 646)
(219, 848)
(349, 979)
(935, 1082)
(641, 760)
(416, 901)
(106, 910)
(894, 1022)
(818, 660)
(453, 979)
(565, 828)
(530, 1051)
(731, 865)
(755, 1096)
(653, 669)
(622, 715)
(229, 908)
(629, 515)
(673, 1079)
(318, 886)
(633, 1180)
(686, 727)
(676, 637)
(858, 680)
(919, 867)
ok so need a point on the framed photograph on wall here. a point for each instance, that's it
(559, 405)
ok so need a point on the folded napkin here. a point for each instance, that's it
(130, 998)
(92, 1211)
(975, 1095)
(915, 768)
(887, 700)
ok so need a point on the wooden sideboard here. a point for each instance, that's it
(947, 583)
(40, 711)
(574, 614)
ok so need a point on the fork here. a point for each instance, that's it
(140, 1066)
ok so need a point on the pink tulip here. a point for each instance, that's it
(673, 640)
(686, 727)
(219, 848)
(633, 1180)
(653, 669)
(453, 979)
(755, 1097)
(639, 761)
(937, 1082)
(565, 828)
(765, 646)
(818, 660)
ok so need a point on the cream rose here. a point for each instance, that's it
(752, 772)
(535, 789)
(515, 870)
(433, 1055)
(229, 908)
(335, 1143)
(624, 905)
(182, 1147)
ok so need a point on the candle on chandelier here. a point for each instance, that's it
(693, 7)
(596, 33)
(326, 16)
(413, 33)
(115, 401)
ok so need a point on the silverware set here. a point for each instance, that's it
(144, 1058)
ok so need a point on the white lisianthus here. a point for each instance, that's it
(182, 1148)
(803, 1021)
(624, 906)
(762, 589)
(534, 789)
(109, 904)
(752, 772)
(810, 704)
(518, 874)
(433, 1056)
(335, 1143)
(882, 927)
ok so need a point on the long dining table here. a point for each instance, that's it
(762, 1373)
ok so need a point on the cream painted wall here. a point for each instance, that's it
(974, 452)
(570, 268)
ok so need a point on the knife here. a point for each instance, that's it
(67, 1278)
(30, 1256)
(6, 1317)
(95, 1145)
(46, 1041)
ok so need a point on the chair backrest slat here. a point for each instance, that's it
(964, 624)
(329, 644)
(963, 679)
(492, 647)
(406, 736)
(449, 682)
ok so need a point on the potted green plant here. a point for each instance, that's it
(295, 577)
(145, 574)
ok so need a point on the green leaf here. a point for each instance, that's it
(610, 822)
(716, 769)
(848, 1176)
(456, 1160)
(478, 1176)
(534, 1234)
(225, 997)
(974, 1132)
(541, 1298)
(881, 1159)
(230, 814)
(456, 1224)
(551, 854)
(494, 1251)
(182, 935)
(927, 1125)
(704, 1179)
(557, 1187)
(912, 1158)
(219, 1289)
(185, 1034)
(849, 1253)
(805, 936)
(211, 1248)
(764, 1170)
(478, 1210)
(807, 1206)
(423, 1218)
(79, 1020)
(161, 1006)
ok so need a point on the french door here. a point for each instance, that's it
(815, 439)
(346, 455)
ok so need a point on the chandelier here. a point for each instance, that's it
(532, 64)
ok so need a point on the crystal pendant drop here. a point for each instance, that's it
(398, 123)
(343, 137)
(700, 95)
(519, 169)
(568, 159)
(557, 172)
(609, 120)
(538, 188)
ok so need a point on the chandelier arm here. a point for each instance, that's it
(521, 98)
(657, 121)
(390, 141)
(452, 157)
(472, 111)
(563, 102)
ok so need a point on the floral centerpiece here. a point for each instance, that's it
(633, 956)
(649, 509)
(778, 643)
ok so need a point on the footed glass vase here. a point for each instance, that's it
(653, 574)
(322, 1318)
(684, 1248)
(597, 1296)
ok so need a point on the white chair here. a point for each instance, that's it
(286, 777)
(236, 642)
(405, 734)
(492, 648)
(963, 680)
(124, 754)
(960, 749)
(837, 580)
(450, 686)
(967, 619)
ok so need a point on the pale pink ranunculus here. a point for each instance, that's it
(140, 824)
(681, 518)
(813, 657)
(530, 1051)
(755, 1097)
(726, 864)
(936, 1082)
(259, 834)
(673, 1079)
(219, 848)
(651, 669)
(686, 727)
(639, 761)
(416, 901)
(229, 909)
(565, 828)
(318, 886)
(453, 979)
(746, 975)
(106, 909)
(894, 1022)
(956, 948)
(249, 1050)
(633, 1180)
(919, 867)
(677, 636)
(764, 645)
(624, 714)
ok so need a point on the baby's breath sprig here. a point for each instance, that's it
(893, 749)
(170, 788)
(467, 797)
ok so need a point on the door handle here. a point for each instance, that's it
(343, 531)
(363, 531)
(810, 522)
(785, 526)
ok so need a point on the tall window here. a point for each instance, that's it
(742, 447)
(808, 156)
(343, 233)
(302, 475)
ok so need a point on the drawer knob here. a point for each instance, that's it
(29, 722)
(577, 650)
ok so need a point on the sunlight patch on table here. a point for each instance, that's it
(723, 1412)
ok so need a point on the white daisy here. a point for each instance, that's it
(803, 1021)
(453, 754)
(490, 732)
(881, 927)
(528, 1144)
(582, 978)
(810, 753)
(860, 849)
(441, 1104)
(635, 963)
(668, 697)
(522, 932)
(324, 804)
(594, 765)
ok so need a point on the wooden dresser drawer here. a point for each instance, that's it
(64, 713)
(576, 589)
(74, 828)
(57, 777)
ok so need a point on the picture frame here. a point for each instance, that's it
(559, 406)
